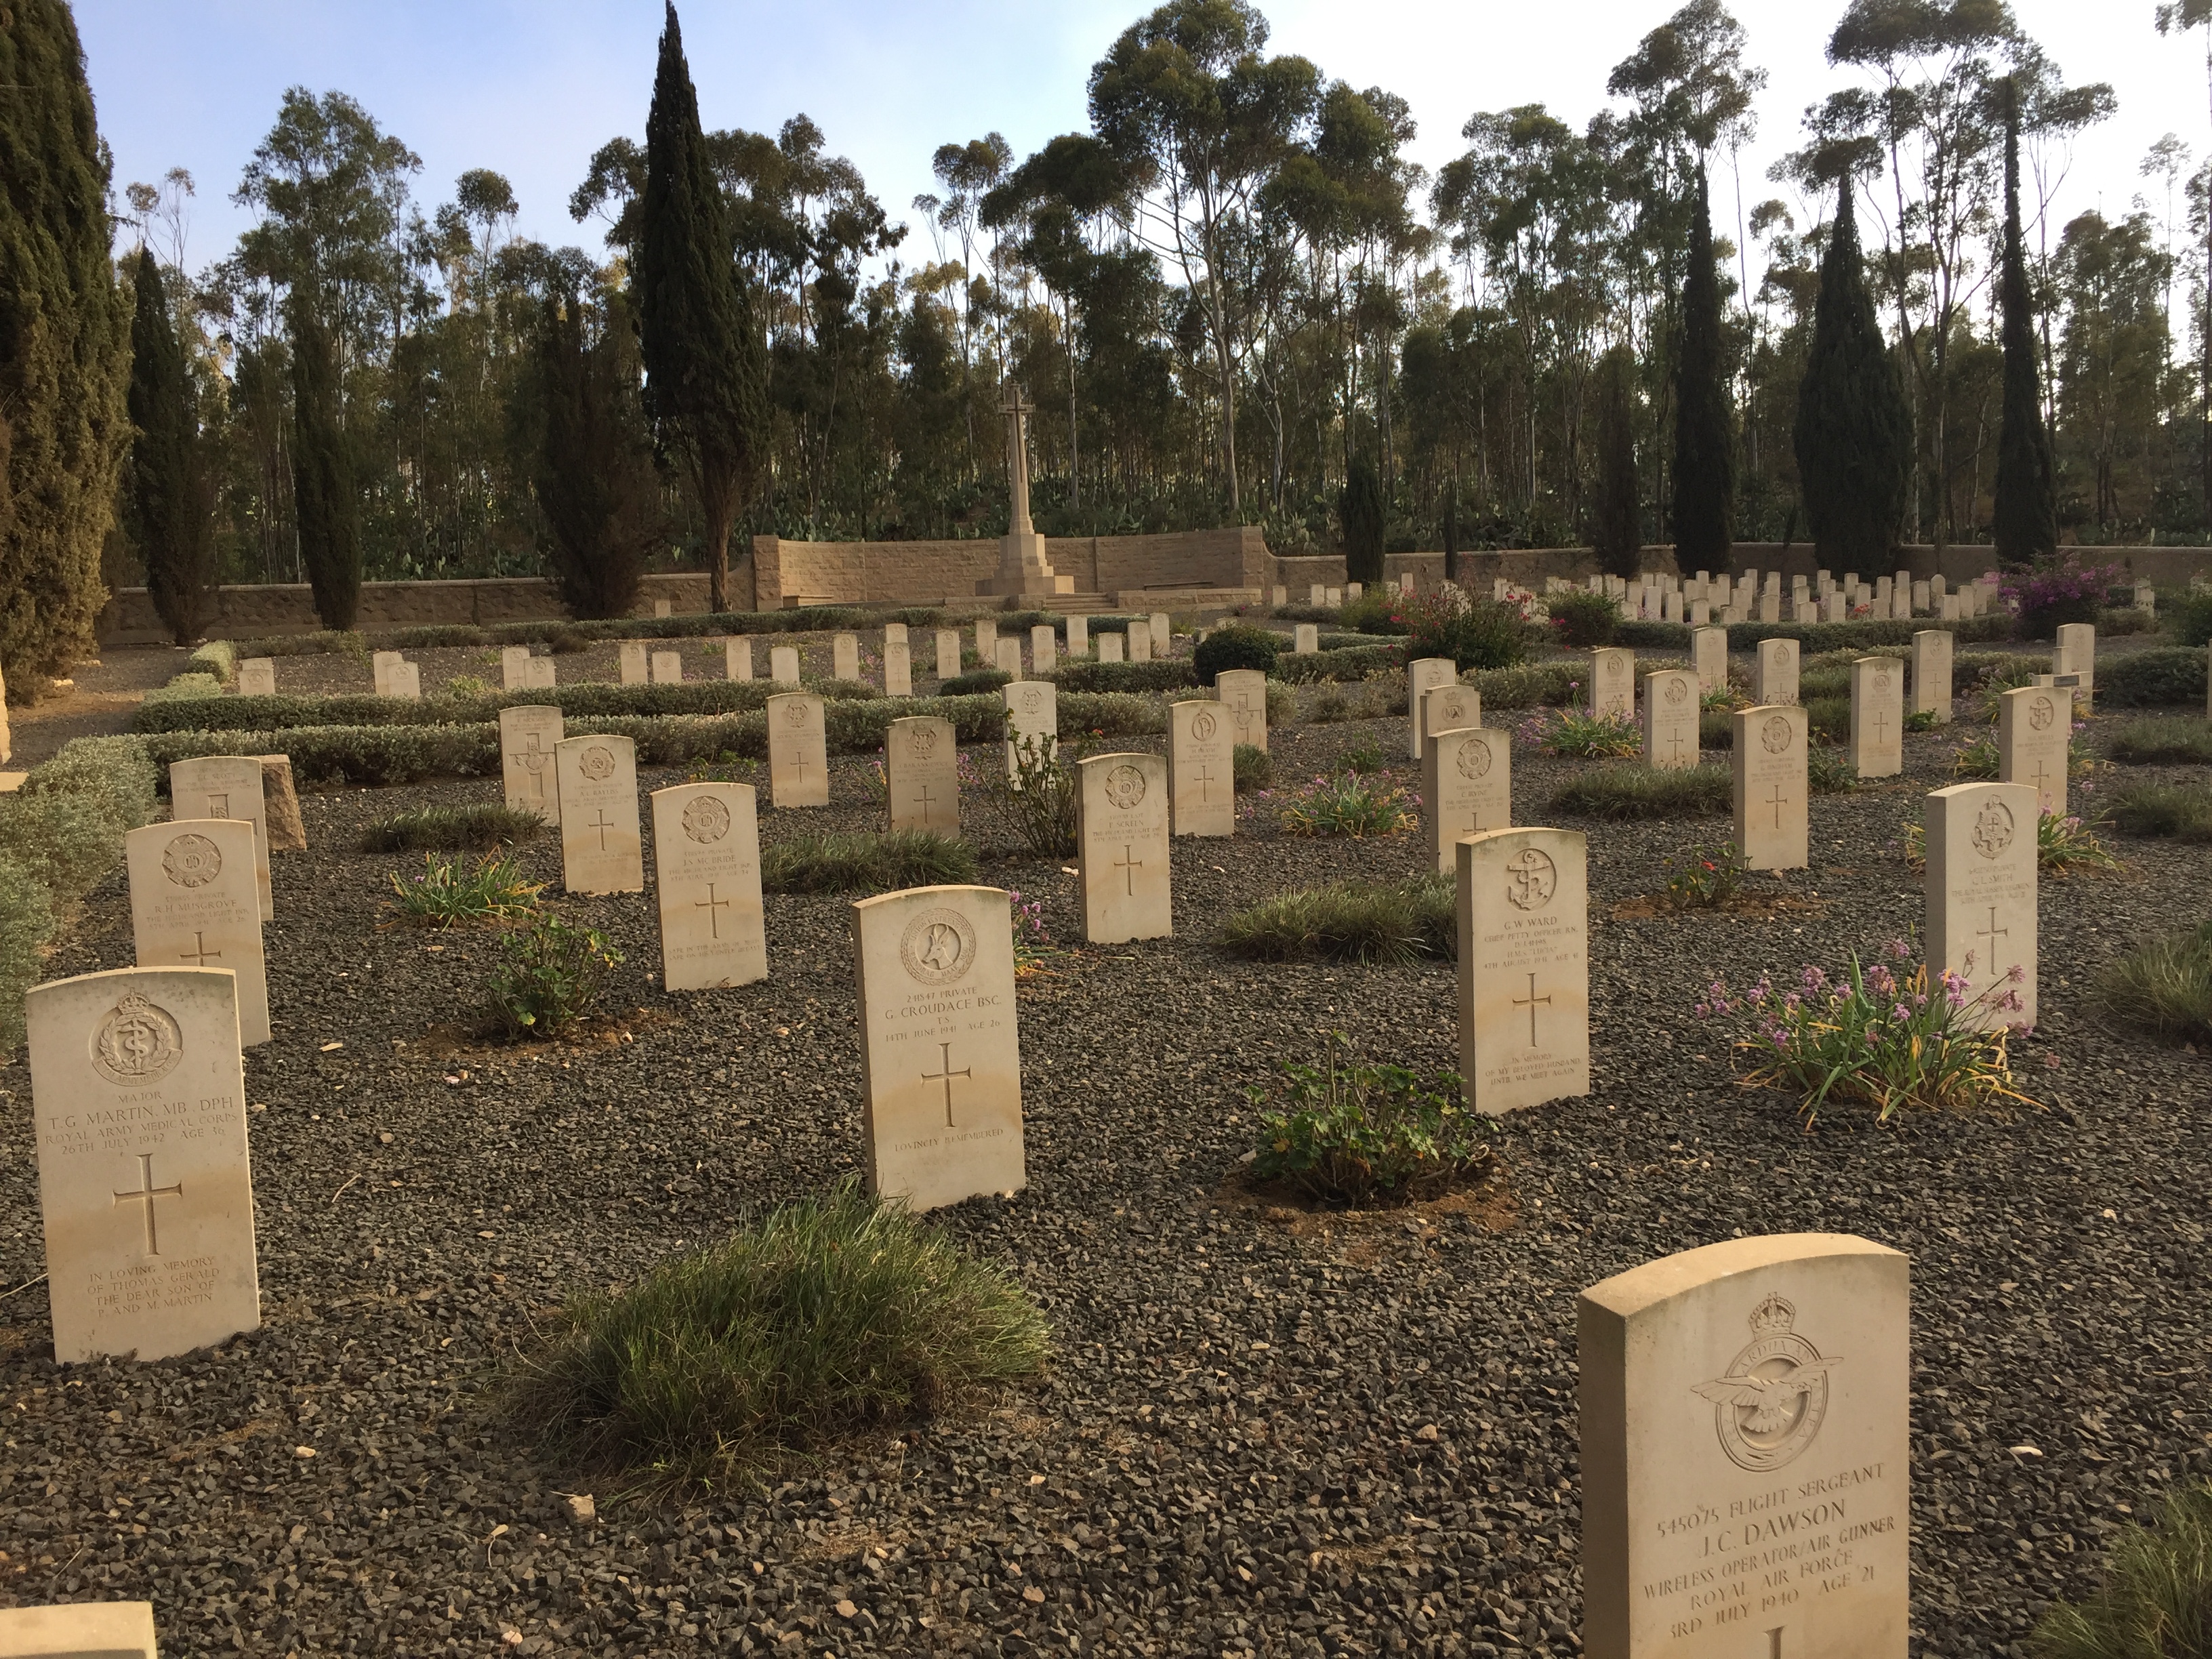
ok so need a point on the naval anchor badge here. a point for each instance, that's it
(1769, 1407)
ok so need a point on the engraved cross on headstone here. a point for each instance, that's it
(1131, 865)
(533, 760)
(1780, 800)
(149, 1192)
(945, 1077)
(1530, 1002)
(927, 801)
(1676, 740)
(2042, 782)
(199, 954)
(1993, 933)
(713, 907)
(1205, 777)
(601, 823)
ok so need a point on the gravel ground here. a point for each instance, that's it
(1340, 1437)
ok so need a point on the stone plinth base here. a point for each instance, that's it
(1024, 569)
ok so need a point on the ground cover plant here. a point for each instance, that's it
(1704, 880)
(825, 1315)
(548, 974)
(2182, 812)
(1354, 1133)
(2187, 616)
(865, 862)
(1883, 1036)
(1253, 768)
(1830, 771)
(1578, 736)
(2164, 740)
(1628, 791)
(1346, 803)
(1349, 921)
(2156, 1600)
(2163, 986)
(445, 895)
(435, 829)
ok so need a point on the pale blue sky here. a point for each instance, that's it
(532, 88)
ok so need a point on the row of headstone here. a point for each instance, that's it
(1759, 596)
(519, 671)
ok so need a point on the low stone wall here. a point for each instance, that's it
(249, 610)
(786, 573)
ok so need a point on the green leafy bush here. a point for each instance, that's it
(434, 829)
(1340, 665)
(1582, 620)
(1040, 796)
(1390, 922)
(217, 659)
(184, 688)
(1830, 771)
(2181, 811)
(1474, 633)
(1240, 645)
(865, 863)
(975, 682)
(1351, 1133)
(1346, 804)
(1703, 880)
(1827, 720)
(2164, 740)
(2163, 678)
(1625, 794)
(2163, 986)
(446, 895)
(2187, 616)
(826, 1315)
(548, 977)
(1572, 734)
(1158, 675)
(1253, 768)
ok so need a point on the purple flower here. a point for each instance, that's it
(1900, 951)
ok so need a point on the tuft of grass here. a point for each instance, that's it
(1254, 770)
(1348, 804)
(2180, 811)
(865, 862)
(2066, 844)
(1386, 921)
(1625, 793)
(446, 895)
(1354, 1133)
(2155, 1601)
(2163, 986)
(825, 1315)
(2163, 740)
(1578, 736)
(445, 828)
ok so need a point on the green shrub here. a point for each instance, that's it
(1240, 645)
(1582, 620)
(1253, 767)
(1623, 793)
(2163, 740)
(548, 977)
(1040, 798)
(1340, 666)
(434, 829)
(27, 921)
(2187, 616)
(1390, 922)
(217, 659)
(1716, 729)
(1571, 732)
(865, 862)
(1346, 804)
(1827, 720)
(1813, 638)
(2181, 811)
(1354, 1133)
(184, 688)
(1125, 677)
(446, 895)
(826, 1315)
(2163, 678)
(1702, 880)
(1472, 633)
(2155, 1601)
(2163, 986)
(975, 682)
(1534, 685)
(1830, 771)
(1377, 611)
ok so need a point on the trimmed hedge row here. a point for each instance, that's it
(1167, 675)
(806, 619)
(2153, 680)
(60, 835)
(1817, 636)
(585, 699)
(1355, 664)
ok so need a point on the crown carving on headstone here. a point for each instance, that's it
(1772, 1316)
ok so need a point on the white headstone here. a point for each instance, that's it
(528, 735)
(79, 1629)
(1708, 652)
(257, 676)
(898, 668)
(403, 680)
(1670, 720)
(1422, 676)
(602, 850)
(1044, 649)
(798, 750)
(1140, 642)
(1772, 829)
(1877, 740)
(1305, 639)
(1010, 656)
(1244, 693)
(1315, 594)
(1279, 596)
(706, 864)
(1032, 713)
(2035, 725)
(1451, 707)
(1078, 636)
(1981, 889)
(895, 631)
(1334, 598)
(192, 905)
(1160, 632)
(1467, 789)
(1774, 671)
(634, 667)
(667, 668)
(921, 774)
(1122, 833)
(663, 607)
(783, 665)
(2078, 655)
(1746, 1453)
(1523, 967)
(948, 653)
(227, 786)
(1109, 647)
(738, 657)
(1612, 681)
(513, 667)
(1201, 769)
(381, 665)
(145, 1182)
(845, 656)
(1920, 596)
(940, 1058)
(537, 674)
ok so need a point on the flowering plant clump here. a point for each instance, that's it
(2064, 592)
(1581, 619)
(1880, 1036)
(1032, 941)
(1700, 880)
(1348, 804)
(1581, 737)
(2064, 843)
(1474, 633)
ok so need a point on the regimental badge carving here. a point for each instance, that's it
(597, 764)
(1677, 689)
(1203, 727)
(1124, 786)
(1531, 879)
(1473, 759)
(2041, 711)
(1993, 829)
(1615, 666)
(1769, 1405)
(705, 820)
(1774, 736)
(191, 862)
(922, 740)
(1032, 700)
(1881, 679)
(137, 1044)
(795, 714)
(938, 947)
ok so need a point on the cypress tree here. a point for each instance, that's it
(1705, 440)
(64, 347)
(595, 480)
(165, 497)
(1617, 534)
(1360, 507)
(2024, 524)
(705, 371)
(1854, 436)
(324, 507)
